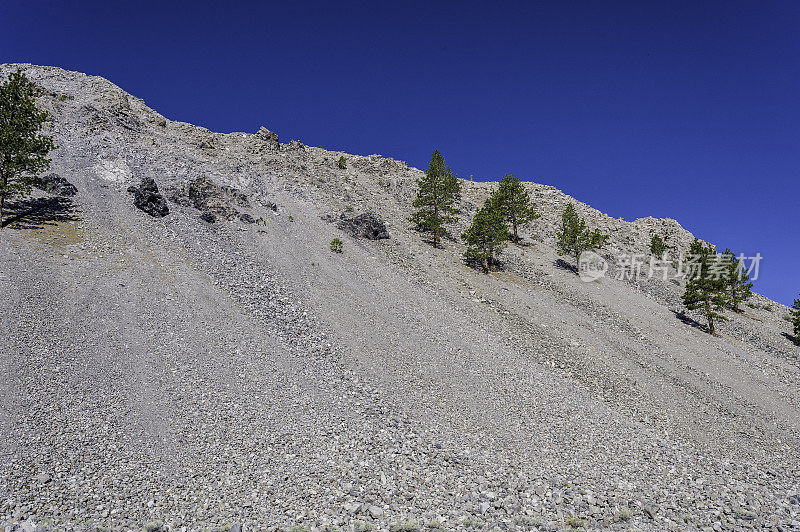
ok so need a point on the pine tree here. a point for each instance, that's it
(738, 280)
(657, 246)
(706, 290)
(515, 203)
(23, 148)
(487, 234)
(796, 319)
(574, 237)
(438, 191)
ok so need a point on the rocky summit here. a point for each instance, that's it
(190, 355)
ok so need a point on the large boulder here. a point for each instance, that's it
(56, 184)
(366, 225)
(207, 196)
(147, 198)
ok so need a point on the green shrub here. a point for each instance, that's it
(341, 163)
(337, 246)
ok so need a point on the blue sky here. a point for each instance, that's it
(689, 110)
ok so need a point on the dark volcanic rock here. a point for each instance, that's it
(147, 198)
(205, 195)
(365, 225)
(57, 185)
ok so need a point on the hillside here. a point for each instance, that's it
(177, 372)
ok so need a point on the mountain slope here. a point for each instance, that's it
(206, 374)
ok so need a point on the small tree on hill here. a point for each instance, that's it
(574, 237)
(438, 191)
(515, 203)
(341, 163)
(23, 148)
(657, 246)
(738, 281)
(487, 234)
(706, 286)
(796, 318)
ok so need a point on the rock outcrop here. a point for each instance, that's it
(366, 225)
(205, 195)
(147, 198)
(56, 184)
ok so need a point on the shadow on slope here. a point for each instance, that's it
(33, 213)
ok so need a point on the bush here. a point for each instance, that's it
(337, 246)
(342, 163)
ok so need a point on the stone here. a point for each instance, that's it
(206, 195)
(147, 198)
(366, 225)
(246, 218)
(56, 184)
(208, 216)
(236, 527)
(376, 512)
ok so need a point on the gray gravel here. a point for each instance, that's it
(168, 373)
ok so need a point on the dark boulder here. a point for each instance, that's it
(208, 216)
(246, 218)
(366, 225)
(147, 198)
(56, 184)
(205, 195)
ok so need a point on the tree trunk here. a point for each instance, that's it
(710, 319)
(436, 229)
(3, 195)
(516, 237)
(485, 265)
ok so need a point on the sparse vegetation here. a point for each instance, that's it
(526, 521)
(706, 289)
(337, 246)
(470, 522)
(362, 526)
(437, 193)
(23, 148)
(409, 525)
(657, 246)
(575, 522)
(574, 237)
(342, 163)
(796, 318)
(487, 234)
(514, 203)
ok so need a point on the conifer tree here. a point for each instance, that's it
(515, 203)
(574, 237)
(738, 280)
(438, 191)
(706, 290)
(23, 148)
(796, 318)
(487, 234)
(657, 246)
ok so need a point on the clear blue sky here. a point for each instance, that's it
(689, 110)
